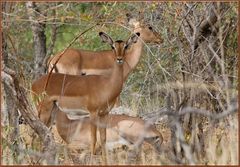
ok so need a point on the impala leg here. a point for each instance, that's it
(93, 141)
(102, 130)
(93, 135)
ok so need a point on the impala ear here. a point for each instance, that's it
(106, 38)
(132, 39)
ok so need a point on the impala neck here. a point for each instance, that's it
(63, 125)
(69, 129)
(116, 80)
(132, 57)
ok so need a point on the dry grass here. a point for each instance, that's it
(220, 147)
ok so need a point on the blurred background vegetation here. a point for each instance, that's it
(178, 73)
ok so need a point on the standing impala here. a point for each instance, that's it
(94, 94)
(82, 62)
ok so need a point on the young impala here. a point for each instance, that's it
(121, 130)
(94, 94)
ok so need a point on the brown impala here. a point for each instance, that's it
(121, 130)
(83, 62)
(94, 94)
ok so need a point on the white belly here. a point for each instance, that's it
(73, 113)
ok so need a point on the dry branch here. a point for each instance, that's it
(20, 100)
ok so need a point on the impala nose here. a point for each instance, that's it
(119, 60)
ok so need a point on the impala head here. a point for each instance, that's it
(119, 47)
(148, 34)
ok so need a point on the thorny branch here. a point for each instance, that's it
(174, 118)
(153, 116)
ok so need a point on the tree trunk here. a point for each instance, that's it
(39, 38)
(10, 112)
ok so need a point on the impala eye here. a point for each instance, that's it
(150, 28)
(113, 46)
(125, 46)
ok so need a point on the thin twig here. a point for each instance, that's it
(70, 44)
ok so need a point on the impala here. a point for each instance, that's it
(84, 95)
(121, 130)
(82, 62)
